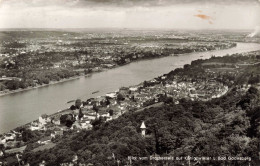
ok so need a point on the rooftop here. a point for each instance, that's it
(143, 125)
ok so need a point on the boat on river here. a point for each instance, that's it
(95, 92)
(71, 101)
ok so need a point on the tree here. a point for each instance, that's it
(107, 100)
(80, 114)
(78, 103)
(252, 90)
(27, 135)
(98, 122)
(95, 108)
(168, 100)
(120, 97)
(111, 112)
(67, 120)
(12, 85)
(73, 107)
(2, 87)
(145, 84)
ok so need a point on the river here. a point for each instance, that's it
(20, 108)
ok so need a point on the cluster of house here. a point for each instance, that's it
(203, 91)
(107, 107)
(178, 89)
(11, 144)
(10, 139)
(198, 89)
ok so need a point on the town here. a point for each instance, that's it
(202, 80)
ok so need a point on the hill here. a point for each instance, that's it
(229, 125)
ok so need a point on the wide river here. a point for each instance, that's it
(20, 108)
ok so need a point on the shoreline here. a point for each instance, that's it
(40, 86)
(51, 83)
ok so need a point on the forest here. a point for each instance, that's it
(222, 127)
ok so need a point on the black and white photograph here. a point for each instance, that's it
(129, 82)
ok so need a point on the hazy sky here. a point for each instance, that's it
(188, 14)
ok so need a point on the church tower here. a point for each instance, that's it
(143, 129)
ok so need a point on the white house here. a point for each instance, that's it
(45, 140)
(43, 163)
(43, 119)
(86, 125)
(1, 153)
(103, 114)
(56, 121)
(34, 127)
(2, 141)
(9, 137)
(112, 94)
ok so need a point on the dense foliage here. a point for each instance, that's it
(229, 125)
(31, 78)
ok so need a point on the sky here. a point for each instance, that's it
(152, 14)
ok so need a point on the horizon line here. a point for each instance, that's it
(118, 28)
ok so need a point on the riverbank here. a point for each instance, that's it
(40, 86)
(3, 93)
